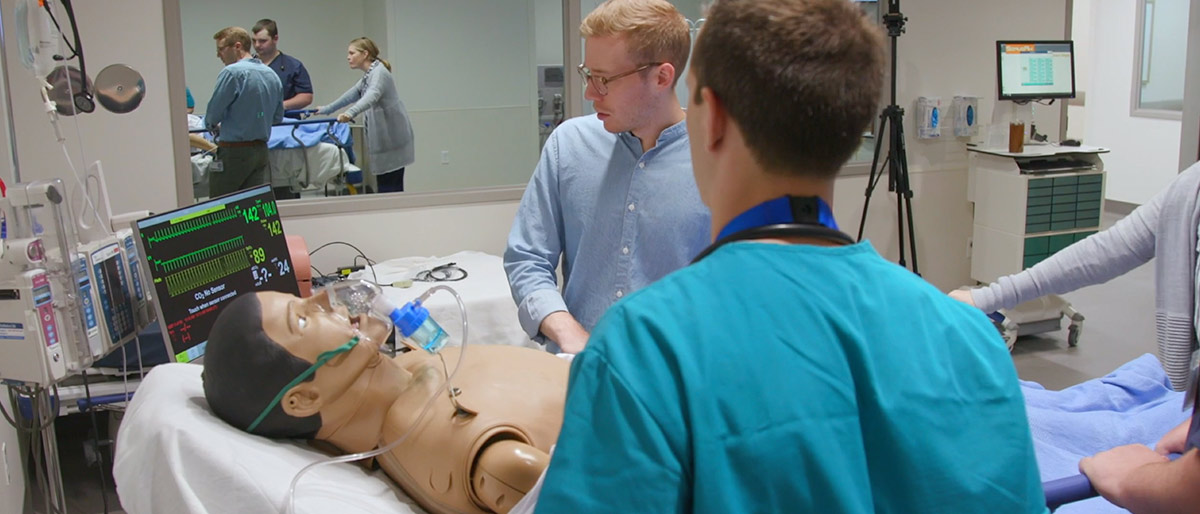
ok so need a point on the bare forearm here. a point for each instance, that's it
(300, 101)
(562, 328)
(1165, 487)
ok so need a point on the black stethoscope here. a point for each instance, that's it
(783, 217)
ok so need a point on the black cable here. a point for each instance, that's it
(58, 27)
(360, 252)
(363, 257)
(87, 391)
(33, 427)
(78, 43)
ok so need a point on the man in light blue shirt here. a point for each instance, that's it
(789, 369)
(247, 100)
(613, 194)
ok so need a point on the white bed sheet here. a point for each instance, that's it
(174, 455)
(307, 168)
(299, 168)
(491, 312)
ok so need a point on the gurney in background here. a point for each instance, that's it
(305, 155)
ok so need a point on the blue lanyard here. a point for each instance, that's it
(780, 211)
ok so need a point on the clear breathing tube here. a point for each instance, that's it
(357, 296)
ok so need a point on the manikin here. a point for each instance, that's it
(478, 451)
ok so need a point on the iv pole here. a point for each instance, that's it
(891, 122)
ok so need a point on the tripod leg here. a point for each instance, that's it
(897, 178)
(871, 180)
(904, 192)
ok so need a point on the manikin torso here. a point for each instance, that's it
(503, 393)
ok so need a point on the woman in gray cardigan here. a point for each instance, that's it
(389, 133)
(1165, 229)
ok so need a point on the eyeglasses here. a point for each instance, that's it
(601, 83)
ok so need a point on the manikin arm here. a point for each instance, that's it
(505, 472)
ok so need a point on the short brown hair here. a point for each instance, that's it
(230, 35)
(655, 29)
(267, 24)
(801, 78)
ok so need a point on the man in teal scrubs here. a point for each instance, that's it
(790, 370)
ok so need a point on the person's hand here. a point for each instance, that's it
(963, 295)
(1175, 441)
(319, 111)
(562, 328)
(344, 118)
(1108, 471)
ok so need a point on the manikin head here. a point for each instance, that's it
(781, 92)
(634, 53)
(261, 342)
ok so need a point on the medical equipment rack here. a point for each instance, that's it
(1028, 206)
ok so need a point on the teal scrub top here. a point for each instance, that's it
(793, 378)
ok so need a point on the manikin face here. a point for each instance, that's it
(625, 107)
(308, 327)
(264, 44)
(357, 58)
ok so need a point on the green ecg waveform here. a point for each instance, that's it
(192, 225)
(207, 272)
(198, 256)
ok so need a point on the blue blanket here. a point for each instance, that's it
(288, 135)
(283, 135)
(1134, 404)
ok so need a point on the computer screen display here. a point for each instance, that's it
(1033, 70)
(201, 257)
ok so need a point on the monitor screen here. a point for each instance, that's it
(201, 257)
(1033, 70)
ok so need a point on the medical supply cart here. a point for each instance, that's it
(1028, 206)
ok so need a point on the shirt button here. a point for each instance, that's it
(620, 293)
(632, 208)
(642, 165)
(625, 250)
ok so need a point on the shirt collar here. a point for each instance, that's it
(670, 134)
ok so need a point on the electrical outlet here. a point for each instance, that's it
(445, 156)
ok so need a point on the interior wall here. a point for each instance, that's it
(317, 33)
(428, 231)
(467, 81)
(1145, 151)
(470, 88)
(1081, 34)
(137, 153)
(949, 49)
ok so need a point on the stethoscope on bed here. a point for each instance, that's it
(784, 217)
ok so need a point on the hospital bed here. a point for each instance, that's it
(304, 155)
(174, 455)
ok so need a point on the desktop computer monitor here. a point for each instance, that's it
(199, 258)
(1035, 70)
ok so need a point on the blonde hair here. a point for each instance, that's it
(364, 44)
(655, 30)
(230, 35)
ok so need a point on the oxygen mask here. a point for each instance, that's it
(412, 320)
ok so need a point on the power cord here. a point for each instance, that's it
(360, 254)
